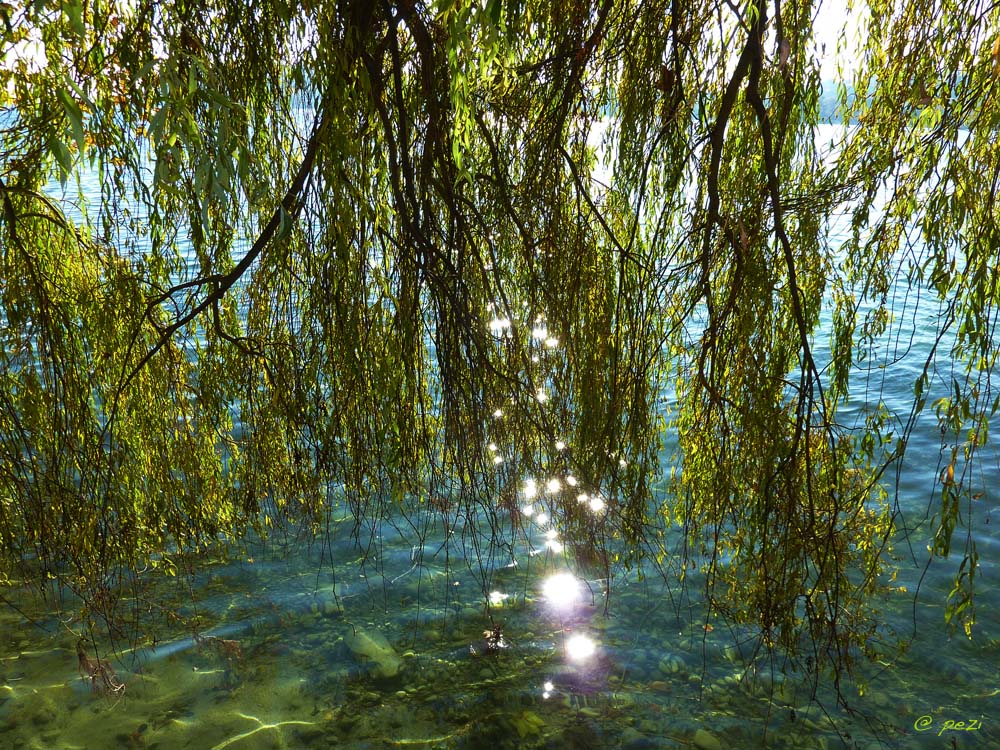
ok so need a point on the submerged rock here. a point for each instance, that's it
(705, 740)
(671, 664)
(371, 648)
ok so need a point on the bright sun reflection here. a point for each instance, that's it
(562, 590)
(579, 647)
(552, 541)
(497, 598)
(499, 326)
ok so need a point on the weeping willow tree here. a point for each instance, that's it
(390, 253)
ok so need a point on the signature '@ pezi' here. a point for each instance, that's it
(926, 722)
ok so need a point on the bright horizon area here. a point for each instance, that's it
(832, 18)
(837, 23)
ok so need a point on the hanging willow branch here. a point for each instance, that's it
(439, 277)
(286, 212)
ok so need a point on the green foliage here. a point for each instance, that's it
(310, 212)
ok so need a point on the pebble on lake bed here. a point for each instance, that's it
(372, 648)
(705, 740)
(671, 664)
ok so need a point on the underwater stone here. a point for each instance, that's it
(649, 726)
(372, 647)
(671, 664)
(705, 740)
(40, 711)
(640, 743)
(310, 737)
(624, 700)
(632, 739)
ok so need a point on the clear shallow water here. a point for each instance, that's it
(365, 640)
(308, 675)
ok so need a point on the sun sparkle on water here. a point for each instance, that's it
(562, 590)
(580, 647)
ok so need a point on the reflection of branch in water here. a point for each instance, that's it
(102, 675)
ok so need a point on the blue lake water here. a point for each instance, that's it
(377, 635)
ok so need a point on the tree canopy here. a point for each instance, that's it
(404, 254)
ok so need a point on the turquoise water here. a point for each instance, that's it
(337, 649)
(415, 631)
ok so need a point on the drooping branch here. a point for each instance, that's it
(286, 211)
(770, 158)
(716, 144)
(612, 237)
(717, 136)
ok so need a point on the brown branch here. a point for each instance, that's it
(290, 205)
(625, 253)
(717, 136)
(774, 192)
